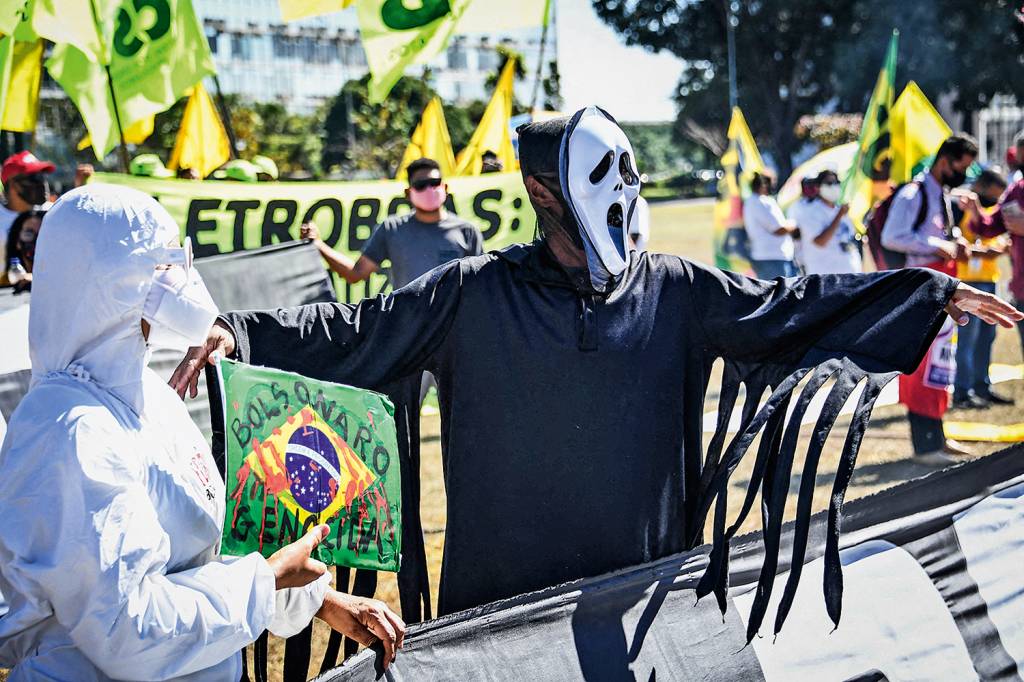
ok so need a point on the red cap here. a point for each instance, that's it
(23, 163)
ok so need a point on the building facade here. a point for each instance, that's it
(301, 64)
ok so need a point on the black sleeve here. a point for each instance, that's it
(882, 321)
(376, 247)
(373, 343)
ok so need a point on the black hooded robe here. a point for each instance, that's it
(572, 422)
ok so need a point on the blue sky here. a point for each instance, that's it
(597, 68)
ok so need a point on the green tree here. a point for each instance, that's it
(371, 138)
(797, 57)
(552, 87)
(970, 51)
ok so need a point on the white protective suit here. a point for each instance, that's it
(111, 507)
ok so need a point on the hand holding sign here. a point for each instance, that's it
(292, 564)
(302, 453)
(186, 374)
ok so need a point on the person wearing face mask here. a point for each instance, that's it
(827, 238)
(1017, 162)
(544, 351)
(25, 187)
(770, 232)
(414, 243)
(971, 386)
(927, 235)
(111, 506)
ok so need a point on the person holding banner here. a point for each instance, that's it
(414, 243)
(111, 506)
(573, 373)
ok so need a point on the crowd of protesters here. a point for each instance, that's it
(934, 221)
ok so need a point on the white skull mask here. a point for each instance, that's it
(601, 185)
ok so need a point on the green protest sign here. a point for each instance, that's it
(299, 453)
(221, 217)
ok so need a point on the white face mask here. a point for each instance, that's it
(830, 193)
(179, 309)
(600, 183)
(640, 227)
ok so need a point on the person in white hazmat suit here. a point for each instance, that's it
(111, 507)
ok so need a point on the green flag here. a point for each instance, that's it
(874, 146)
(395, 36)
(157, 51)
(299, 453)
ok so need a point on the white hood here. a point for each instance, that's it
(97, 250)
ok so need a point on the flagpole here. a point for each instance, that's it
(730, 37)
(226, 116)
(110, 87)
(540, 58)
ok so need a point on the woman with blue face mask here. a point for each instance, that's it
(111, 507)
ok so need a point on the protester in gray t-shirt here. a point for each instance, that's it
(415, 243)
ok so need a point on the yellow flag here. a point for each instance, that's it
(492, 135)
(21, 106)
(202, 142)
(917, 131)
(292, 10)
(739, 162)
(431, 140)
(136, 133)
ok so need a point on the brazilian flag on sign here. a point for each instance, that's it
(300, 453)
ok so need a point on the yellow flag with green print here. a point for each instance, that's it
(874, 146)
(395, 35)
(156, 51)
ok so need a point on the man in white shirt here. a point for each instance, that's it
(828, 244)
(929, 239)
(770, 233)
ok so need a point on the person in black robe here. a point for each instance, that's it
(573, 372)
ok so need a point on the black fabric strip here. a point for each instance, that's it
(332, 651)
(259, 657)
(942, 558)
(297, 651)
(715, 577)
(776, 491)
(846, 382)
(844, 472)
(245, 667)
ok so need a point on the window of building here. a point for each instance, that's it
(457, 55)
(241, 47)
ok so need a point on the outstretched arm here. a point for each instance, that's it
(882, 321)
(370, 344)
